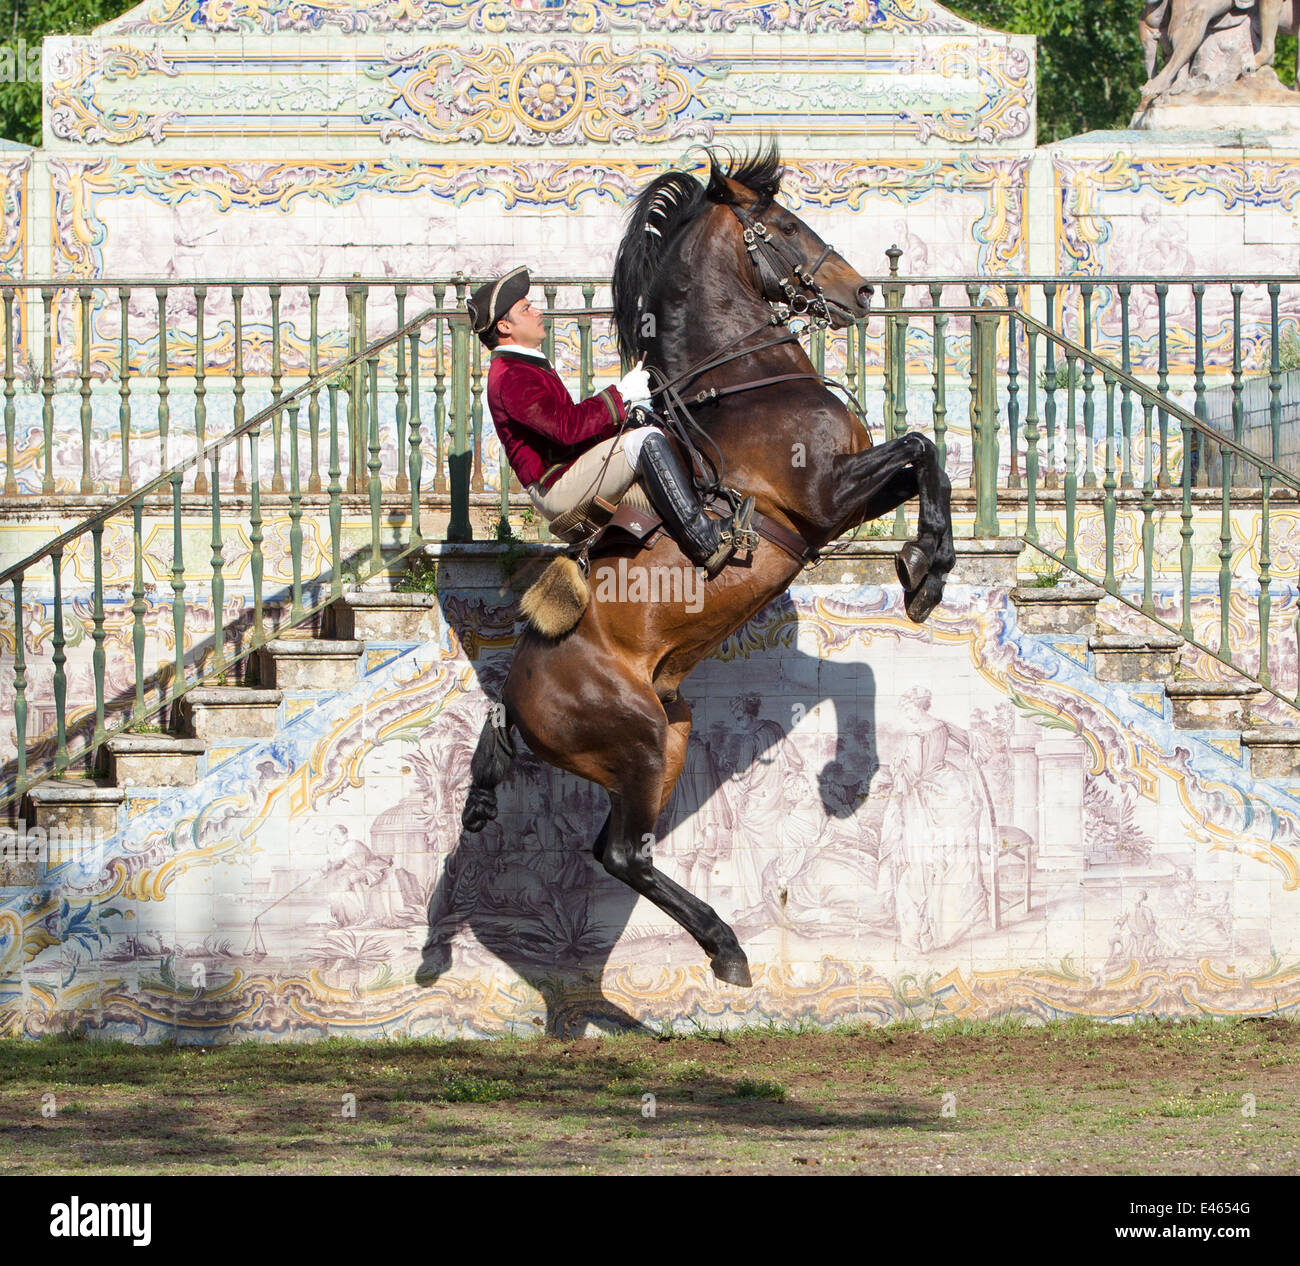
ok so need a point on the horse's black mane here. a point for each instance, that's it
(662, 209)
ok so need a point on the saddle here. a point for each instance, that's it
(600, 524)
(590, 522)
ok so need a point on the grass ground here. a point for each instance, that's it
(1075, 1097)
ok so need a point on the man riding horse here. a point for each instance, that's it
(568, 454)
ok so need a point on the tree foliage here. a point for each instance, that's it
(23, 25)
(1090, 68)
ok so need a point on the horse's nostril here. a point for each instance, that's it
(864, 295)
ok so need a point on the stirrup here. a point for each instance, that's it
(744, 536)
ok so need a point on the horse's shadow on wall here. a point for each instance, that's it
(528, 888)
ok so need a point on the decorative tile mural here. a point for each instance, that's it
(899, 822)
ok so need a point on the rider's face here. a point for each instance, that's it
(526, 325)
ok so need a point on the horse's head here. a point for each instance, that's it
(794, 266)
(790, 263)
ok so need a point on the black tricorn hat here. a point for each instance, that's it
(491, 301)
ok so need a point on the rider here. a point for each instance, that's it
(567, 454)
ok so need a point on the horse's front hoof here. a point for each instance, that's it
(912, 566)
(733, 967)
(924, 600)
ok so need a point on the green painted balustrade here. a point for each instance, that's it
(1051, 400)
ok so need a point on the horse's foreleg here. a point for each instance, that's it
(877, 480)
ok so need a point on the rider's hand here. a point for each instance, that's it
(634, 387)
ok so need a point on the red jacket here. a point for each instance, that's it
(540, 428)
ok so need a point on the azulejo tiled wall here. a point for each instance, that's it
(899, 821)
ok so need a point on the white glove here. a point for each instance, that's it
(634, 387)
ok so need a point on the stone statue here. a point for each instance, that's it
(1218, 51)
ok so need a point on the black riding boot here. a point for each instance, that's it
(708, 541)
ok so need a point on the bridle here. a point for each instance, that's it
(778, 273)
(783, 280)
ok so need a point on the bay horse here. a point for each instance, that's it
(697, 272)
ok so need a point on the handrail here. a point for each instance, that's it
(198, 458)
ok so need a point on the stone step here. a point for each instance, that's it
(1211, 705)
(1125, 657)
(154, 760)
(1274, 751)
(385, 616)
(75, 808)
(1057, 608)
(222, 712)
(318, 664)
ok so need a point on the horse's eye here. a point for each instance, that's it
(788, 229)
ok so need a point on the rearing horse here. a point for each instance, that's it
(697, 271)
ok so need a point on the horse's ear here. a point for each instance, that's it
(719, 189)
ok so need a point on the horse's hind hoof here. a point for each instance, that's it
(924, 600)
(912, 566)
(733, 967)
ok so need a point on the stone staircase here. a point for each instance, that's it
(293, 675)
(1149, 666)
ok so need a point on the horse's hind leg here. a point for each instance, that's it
(638, 795)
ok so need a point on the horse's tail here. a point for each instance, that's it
(493, 757)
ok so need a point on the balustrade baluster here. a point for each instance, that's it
(416, 456)
(476, 405)
(1162, 378)
(1089, 408)
(376, 550)
(1071, 459)
(1185, 532)
(335, 496)
(218, 578)
(164, 389)
(1148, 514)
(1226, 461)
(1125, 399)
(1265, 579)
(313, 405)
(940, 374)
(1275, 371)
(200, 389)
(87, 483)
(237, 301)
(1201, 461)
(11, 482)
(401, 483)
(439, 398)
(47, 390)
(20, 687)
(1013, 388)
(178, 592)
(137, 606)
(277, 390)
(1049, 372)
(60, 659)
(256, 561)
(296, 613)
(98, 659)
(1031, 437)
(1108, 481)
